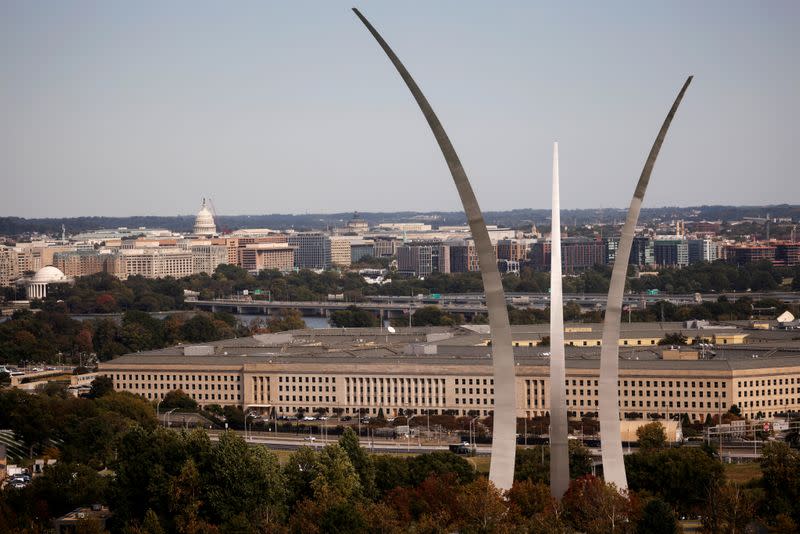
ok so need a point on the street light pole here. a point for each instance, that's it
(408, 436)
(247, 416)
(167, 417)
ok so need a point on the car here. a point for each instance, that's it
(308, 418)
(346, 418)
(322, 418)
(310, 438)
(365, 420)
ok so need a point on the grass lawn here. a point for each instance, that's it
(742, 473)
(481, 463)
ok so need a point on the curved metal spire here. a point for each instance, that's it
(613, 461)
(559, 444)
(504, 443)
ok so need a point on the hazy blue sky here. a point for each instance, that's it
(121, 108)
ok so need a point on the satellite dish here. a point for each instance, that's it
(391, 329)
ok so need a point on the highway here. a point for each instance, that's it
(467, 304)
(378, 445)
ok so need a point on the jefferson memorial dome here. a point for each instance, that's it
(37, 285)
(204, 222)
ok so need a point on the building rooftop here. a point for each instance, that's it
(453, 346)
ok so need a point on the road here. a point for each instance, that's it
(468, 303)
(294, 441)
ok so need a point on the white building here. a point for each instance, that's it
(206, 258)
(204, 222)
(158, 263)
(36, 287)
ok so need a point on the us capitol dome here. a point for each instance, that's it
(204, 222)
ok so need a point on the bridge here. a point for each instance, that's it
(467, 304)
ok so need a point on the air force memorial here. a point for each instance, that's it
(504, 432)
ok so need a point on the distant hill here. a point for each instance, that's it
(14, 226)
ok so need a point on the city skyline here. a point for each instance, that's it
(155, 108)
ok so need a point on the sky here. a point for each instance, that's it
(122, 108)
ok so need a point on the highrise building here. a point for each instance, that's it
(312, 250)
(702, 250)
(423, 259)
(671, 252)
(745, 253)
(577, 254)
(206, 258)
(341, 251)
(260, 256)
(9, 266)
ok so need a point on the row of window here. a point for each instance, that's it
(176, 378)
(767, 382)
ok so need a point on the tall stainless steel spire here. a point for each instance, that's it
(559, 445)
(501, 471)
(611, 439)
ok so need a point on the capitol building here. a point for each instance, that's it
(204, 222)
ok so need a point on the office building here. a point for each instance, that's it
(702, 250)
(9, 266)
(206, 258)
(257, 257)
(312, 250)
(577, 254)
(670, 252)
(286, 372)
(423, 259)
(341, 254)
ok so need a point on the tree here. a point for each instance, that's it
(530, 498)
(658, 518)
(652, 436)
(287, 319)
(200, 328)
(429, 316)
(130, 406)
(184, 498)
(353, 317)
(234, 416)
(675, 338)
(440, 463)
(178, 400)
(243, 480)
(572, 311)
(533, 463)
(300, 471)
(100, 386)
(780, 466)
(483, 509)
(680, 476)
(595, 507)
(337, 478)
(728, 509)
(361, 461)
(393, 472)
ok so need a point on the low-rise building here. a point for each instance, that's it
(448, 370)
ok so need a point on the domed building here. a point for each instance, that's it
(36, 287)
(204, 222)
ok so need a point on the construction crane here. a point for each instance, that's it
(223, 229)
